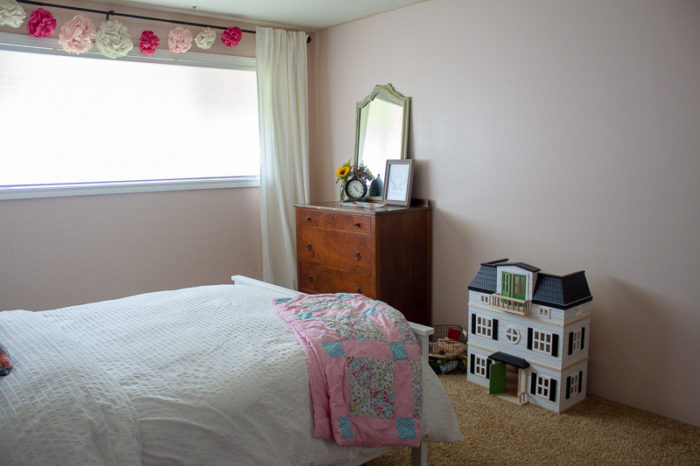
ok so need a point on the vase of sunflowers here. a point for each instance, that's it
(344, 172)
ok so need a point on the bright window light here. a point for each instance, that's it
(73, 120)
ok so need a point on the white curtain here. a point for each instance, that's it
(284, 143)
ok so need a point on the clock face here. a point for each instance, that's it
(356, 189)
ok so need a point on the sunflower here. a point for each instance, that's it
(343, 171)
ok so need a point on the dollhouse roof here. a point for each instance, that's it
(562, 292)
(510, 359)
(550, 290)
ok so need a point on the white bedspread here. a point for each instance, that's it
(206, 375)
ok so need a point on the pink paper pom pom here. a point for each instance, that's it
(231, 36)
(41, 23)
(179, 40)
(77, 35)
(149, 42)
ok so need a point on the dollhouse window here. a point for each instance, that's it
(574, 383)
(545, 387)
(544, 313)
(484, 326)
(480, 366)
(542, 341)
(542, 386)
(576, 340)
(512, 335)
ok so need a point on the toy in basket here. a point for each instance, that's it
(448, 349)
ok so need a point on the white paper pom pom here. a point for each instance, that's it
(113, 40)
(205, 39)
(11, 13)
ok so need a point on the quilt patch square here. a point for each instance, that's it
(406, 428)
(305, 315)
(345, 427)
(349, 327)
(334, 349)
(398, 350)
(372, 390)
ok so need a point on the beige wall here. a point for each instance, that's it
(72, 250)
(562, 134)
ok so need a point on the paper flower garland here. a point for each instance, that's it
(11, 13)
(113, 40)
(179, 40)
(149, 42)
(41, 23)
(205, 39)
(231, 36)
(77, 35)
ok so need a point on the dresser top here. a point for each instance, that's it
(366, 208)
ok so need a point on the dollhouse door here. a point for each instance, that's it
(497, 378)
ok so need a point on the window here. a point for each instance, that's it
(513, 285)
(81, 121)
(542, 386)
(483, 326)
(576, 340)
(479, 366)
(545, 387)
(512, 335)
(544, 313)
(542, 341)
(573, 384)
(519, 286)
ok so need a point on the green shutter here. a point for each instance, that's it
(519, 286)
(505, 284)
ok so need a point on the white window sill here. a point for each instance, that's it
(95, 189)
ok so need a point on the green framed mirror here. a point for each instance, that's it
(381, 129)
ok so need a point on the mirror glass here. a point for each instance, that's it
(381, 132)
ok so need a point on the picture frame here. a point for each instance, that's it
(398, 180)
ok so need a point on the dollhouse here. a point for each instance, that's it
(529, 334)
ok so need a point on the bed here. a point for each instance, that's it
(206, 375)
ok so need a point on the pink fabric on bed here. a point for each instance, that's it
(364, 368)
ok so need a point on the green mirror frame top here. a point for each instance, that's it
(381, 129)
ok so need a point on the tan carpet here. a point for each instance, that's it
(596, 431)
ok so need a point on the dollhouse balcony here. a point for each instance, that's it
(516, 306)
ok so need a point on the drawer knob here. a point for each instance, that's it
(357, 255)
(308, 219)
(358, 290)
(356, 224)
(308, 246)
(310, 277)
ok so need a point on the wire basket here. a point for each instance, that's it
(448, 349)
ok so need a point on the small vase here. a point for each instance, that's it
(342, 192)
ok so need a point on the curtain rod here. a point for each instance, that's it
(126, 15)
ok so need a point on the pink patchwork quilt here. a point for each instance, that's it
(364, 368)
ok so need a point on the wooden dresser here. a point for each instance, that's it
(382, 253)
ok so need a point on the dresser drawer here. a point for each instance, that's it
(337, 249)
(315, 278)
(314, 218)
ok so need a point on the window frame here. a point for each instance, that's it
(480, 366)
(29, 44)
(542, 341)
(484, 326)
(543, 386)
